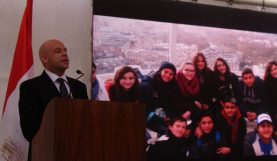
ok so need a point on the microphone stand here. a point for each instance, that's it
(74, 80)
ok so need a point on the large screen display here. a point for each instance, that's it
(149, 47)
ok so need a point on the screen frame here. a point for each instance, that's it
(189, 13)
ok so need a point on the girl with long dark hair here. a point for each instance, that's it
(270, 81)
(206, 79)
(125, 86)
(226, 82)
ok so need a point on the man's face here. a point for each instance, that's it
(248, 79)
(230, 109)
(206, 124)
(55, 57)
(265, 130)
(178, 129)
(93, 75)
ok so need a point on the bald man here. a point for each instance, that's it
(36, 93)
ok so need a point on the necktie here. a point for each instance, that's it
(63, 90)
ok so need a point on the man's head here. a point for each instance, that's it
(229, 107)
(264, 126)
(178, 126)
(248, 77)
(93, 73)
(206, 122)
(53, 55)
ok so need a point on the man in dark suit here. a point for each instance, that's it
(36, 93)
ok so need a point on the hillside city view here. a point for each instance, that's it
(121, 41)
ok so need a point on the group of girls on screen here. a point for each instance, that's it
(196, 89)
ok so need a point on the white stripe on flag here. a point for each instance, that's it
(13, 146)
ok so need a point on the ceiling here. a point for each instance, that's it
(256, 5)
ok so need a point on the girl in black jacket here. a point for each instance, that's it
(188, 104)
(270, 81)
(158, 93)
(206, 79)
(226, 82)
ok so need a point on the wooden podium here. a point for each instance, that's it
(82, 130)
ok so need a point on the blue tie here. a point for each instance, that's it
(63, 90)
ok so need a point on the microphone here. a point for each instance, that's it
(79, 72)
(74, 80)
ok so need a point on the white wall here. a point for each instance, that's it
(67, 20)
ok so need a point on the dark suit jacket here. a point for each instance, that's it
(35, 94)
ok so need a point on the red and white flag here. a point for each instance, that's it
(13, 146)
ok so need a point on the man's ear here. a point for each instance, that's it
(169, 127)
(43, 58)
(221, 103)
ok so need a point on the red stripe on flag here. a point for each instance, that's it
(23, 55)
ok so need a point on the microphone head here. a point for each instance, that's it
(79, 72)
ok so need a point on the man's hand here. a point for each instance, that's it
(198, 105)
(224, 150)
(205, 107)
(251, 116)
(186, 115)
(198, 133)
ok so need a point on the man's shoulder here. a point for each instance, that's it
(33, 81)
(250, 137)
(222, 123)
(75, 81)
(79, 89)
(242, 120)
